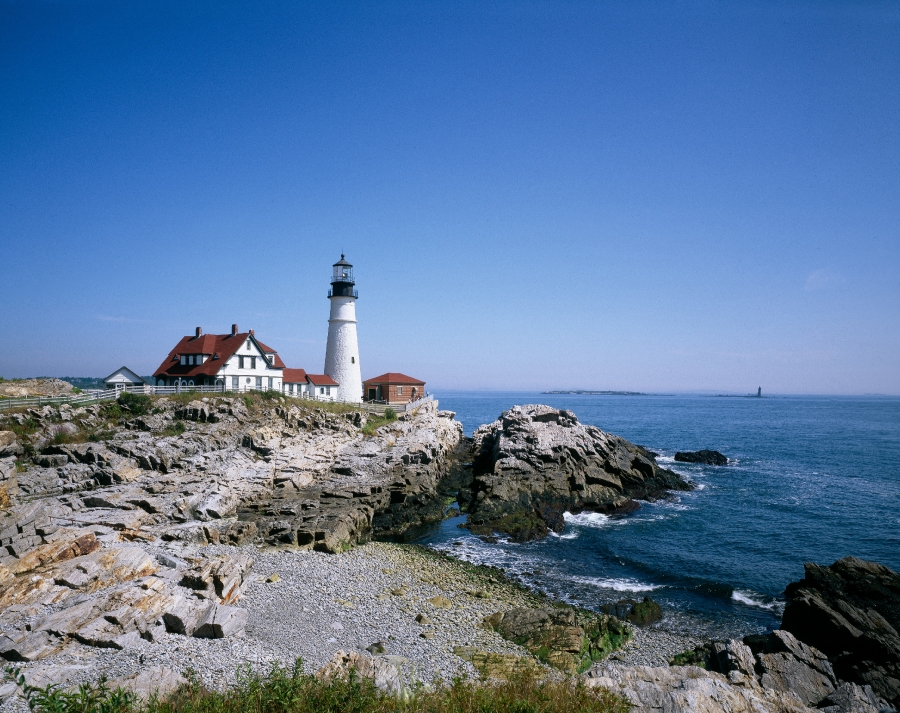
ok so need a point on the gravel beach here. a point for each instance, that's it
(310, 605)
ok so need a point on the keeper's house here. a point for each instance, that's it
(393, 388)
(237, 361)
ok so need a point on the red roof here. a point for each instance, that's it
(321, 380)
(294, 376)
(394, 377)
(218, 347)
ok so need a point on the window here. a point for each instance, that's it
(352, 360)
(290, 388)
(322, 391)
(248, 379)
(270, 382)
(248, 345)
(252, 362)
(235, 383)
(328, 391)
(399, 391)
(240, 362)
(271, 359)
(183, 360)
(191, 360)
(259, 383)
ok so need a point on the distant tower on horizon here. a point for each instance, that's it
(759, 392)
(342, 351)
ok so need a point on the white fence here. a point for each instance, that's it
(89, 397)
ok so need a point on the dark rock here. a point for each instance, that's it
(638, 613)
(536, 462)
(851, 612)
(790, 665)
(645, 612)
(705, 456)
(851, 698)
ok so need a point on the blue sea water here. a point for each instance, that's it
(811, 479)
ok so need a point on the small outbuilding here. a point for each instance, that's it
(122, 377)
(393, 388)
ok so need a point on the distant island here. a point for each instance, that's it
(597, 393)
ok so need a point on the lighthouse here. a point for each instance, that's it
(342, 352)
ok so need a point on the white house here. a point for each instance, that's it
(121, 377)
(314, 386)
(237, 361)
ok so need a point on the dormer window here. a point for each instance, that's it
(272, 359)
(183, 360)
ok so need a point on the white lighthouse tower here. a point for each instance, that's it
(342, 352)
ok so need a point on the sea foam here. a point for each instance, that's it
(618, 585)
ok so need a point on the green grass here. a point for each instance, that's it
(176, 428)
(373, 424)
(284, 690)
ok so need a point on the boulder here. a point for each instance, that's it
(563, 638)
(850, 612)
(706, 457)
(493, 665)
(852, 698)
(156, 681)
(9, 445)
(640, 613)
(536, 462)
(383, 674)
(689, 689)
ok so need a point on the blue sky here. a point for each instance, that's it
(660, 196)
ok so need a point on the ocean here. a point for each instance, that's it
(811, 479)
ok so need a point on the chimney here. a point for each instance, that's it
(199, 333)
(252, 333)
(233, 329)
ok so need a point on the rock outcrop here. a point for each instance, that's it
(383, 674)
(851, 612)
(689, 689)
(537, 462)
(563, 638)
(706, 457)
(102, 517)
(775, 670)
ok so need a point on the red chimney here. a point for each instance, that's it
(198, 333)
(233, 329)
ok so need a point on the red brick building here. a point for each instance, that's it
(393, 388)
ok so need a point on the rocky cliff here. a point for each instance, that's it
(851, 611)
(103, 507)
(536, 462)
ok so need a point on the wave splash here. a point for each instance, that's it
(754, 599)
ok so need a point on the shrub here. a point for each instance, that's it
(284, 690)
(390, 414)
(136, 404)
(174, 429)
(111, 411)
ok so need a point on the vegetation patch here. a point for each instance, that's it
(135, 404)
(291, 690)
(176, 428)
(373, 424)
